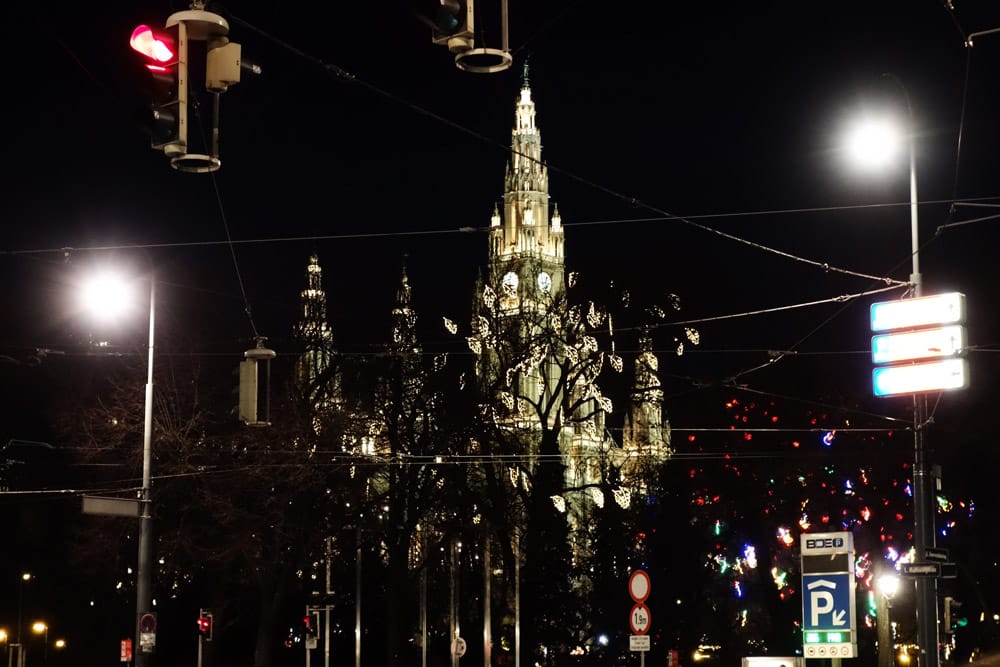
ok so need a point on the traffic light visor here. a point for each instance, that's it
(151, 45)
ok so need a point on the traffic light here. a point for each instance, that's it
(164, 52)
(310, 626)
(454, 25)
(205, 625)
(950, 620)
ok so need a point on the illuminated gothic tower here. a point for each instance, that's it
(313, 329)
(526, 245)
(527, 265)
(646, 436)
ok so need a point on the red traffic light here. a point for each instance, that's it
(151, 45)
(204, 624)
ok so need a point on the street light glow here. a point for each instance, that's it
(888, 585)
(874, 143)
(106, 295)
(38, 627)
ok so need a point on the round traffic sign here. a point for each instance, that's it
(458, 647)
(638, 585)
(638, 619)
(147, 623)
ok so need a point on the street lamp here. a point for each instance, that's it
(42, 628)
(887, 587)
(105, 295)
(881, 138)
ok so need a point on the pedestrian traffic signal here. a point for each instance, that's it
(454, 25)
(205, 625)
(163, 52)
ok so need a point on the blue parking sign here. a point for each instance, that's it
(826, 601)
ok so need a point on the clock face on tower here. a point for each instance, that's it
(545, 282)
(510, 284)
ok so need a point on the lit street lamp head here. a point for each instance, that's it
(107, 296)
(875, 143)
(888, 585)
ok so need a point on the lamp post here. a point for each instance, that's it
(106, 293)
(887, 586)
(42, 628)
(24, 578)
(874, 141)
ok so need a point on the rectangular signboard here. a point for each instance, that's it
(936, 554)
(826, 602)
(911, 379)
(817, 544)
(638, 642)
(917, 345)
(920, 569)
(923, 312)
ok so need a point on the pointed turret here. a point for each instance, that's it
(404, 319)
(646, 437)
(525, 239)
(313, 329)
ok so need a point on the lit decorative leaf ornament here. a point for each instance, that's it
(514, 475)
(489, 297)
(594, 316)
(572, 355)
(656, 311)
(692, 335)
(680, 348)
(475, 345)
(461, 382)
(589, 344)
(450, 326)
(623, 497)
(626, 298)
(507, 399)
(559, 502)
(571, 280)
(440, 361)
(509, 376)
(616, 363)
(597, 495)
(674, 301)
(606, 404)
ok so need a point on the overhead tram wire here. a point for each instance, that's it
(343, 75)
(225, 227)
(468, 230)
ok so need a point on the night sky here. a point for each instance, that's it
(726, 114)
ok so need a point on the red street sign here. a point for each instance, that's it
(638, 585)
(638, 619)
(126, 650)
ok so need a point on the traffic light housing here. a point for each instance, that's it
(951, 621)
(454, 25)
(206, 628)
(164, 52)
(310, 625)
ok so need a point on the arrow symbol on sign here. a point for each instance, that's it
(839, 617)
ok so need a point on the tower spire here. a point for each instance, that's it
(525, 80)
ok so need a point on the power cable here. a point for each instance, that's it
(225, 227)
(344, 75)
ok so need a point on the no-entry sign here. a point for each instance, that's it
(638, 585)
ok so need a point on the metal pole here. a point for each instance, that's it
(326, 637)
(143, 595)
(453, 595)
(487, 606)
(923, 517)
(423, 613)
(884, 627)
(357, 602)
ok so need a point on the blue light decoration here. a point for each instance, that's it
(827, 438)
